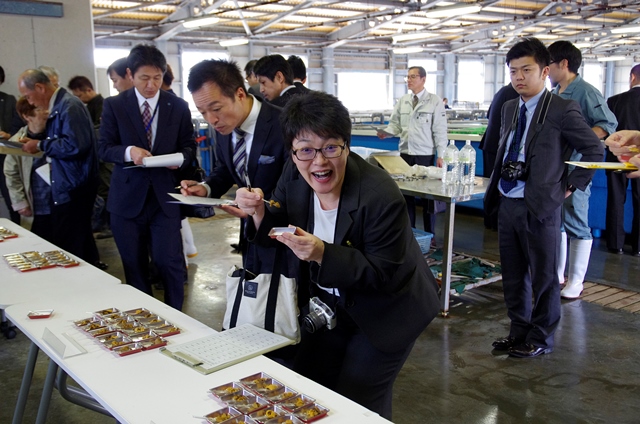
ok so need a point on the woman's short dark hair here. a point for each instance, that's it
(223, 73)
(146, 55)
(530, 47)
(119, 67)
(315, 112)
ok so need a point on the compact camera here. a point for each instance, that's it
(514, 171)
(320, 315)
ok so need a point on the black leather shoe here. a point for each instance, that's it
(527, 350)
(635, 253)
(615, 251)
(505, 343)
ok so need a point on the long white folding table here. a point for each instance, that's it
(451, 195)
(145, 387)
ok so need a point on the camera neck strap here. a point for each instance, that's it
(541, 117)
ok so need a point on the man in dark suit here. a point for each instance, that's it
(538, 133)
(249, 148)
(299, 72)
(626, 107)
(276, 79)
(137, 124)
(491, 138)
(252, 80)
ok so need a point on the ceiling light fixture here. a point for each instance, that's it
(408, 50)
(449, 11)
(582, 45)
(625, 29)
(234, 42)
(610, 58)
(195, 23)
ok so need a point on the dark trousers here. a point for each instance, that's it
(155, 231)
(528, 255)
(616, 197)
(488, 161)
(345, 361)
(429, 219)
(13, 215)
(69, 225)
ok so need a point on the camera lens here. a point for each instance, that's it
(314, 321)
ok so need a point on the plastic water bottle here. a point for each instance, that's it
(467, 163)
(451, 164)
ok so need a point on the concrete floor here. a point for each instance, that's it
(593, 376)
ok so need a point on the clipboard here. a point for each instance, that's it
(610, 166)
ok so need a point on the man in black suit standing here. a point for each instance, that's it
(137, 124)
(276, 79)
(299, 72)
(528, 186)
(626, 107)
(249, 148)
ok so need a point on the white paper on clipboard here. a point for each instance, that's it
(198, 201)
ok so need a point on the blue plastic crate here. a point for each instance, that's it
(424, 240)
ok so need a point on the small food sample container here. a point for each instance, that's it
(153, 320)
(142, 335)
(86, 321)
(296, 402)
(101, 331)
(255, 403)
(105, 338)
(261, 383)
(240, 420)
(128, 349)
(263, 415)
(166, 330)
(139, 313)
(153, 343)
(222, 415)
(227, 389)
(117, 342)
(311, 412)
(107, 311)
(280, 394)
(40, 314)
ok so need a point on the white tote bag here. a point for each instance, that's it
(268, 301)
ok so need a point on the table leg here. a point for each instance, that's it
(46, 392)
(26, 383)
(447, 253)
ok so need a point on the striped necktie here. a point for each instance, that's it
(415, 101)
(240, 154)
(146, 119)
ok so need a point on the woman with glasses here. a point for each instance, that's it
(354, 252)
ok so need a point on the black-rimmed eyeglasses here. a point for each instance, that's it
(331, 151)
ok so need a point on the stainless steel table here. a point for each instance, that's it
(435, 190)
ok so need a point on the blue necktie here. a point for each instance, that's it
(240, 153)
(512, 155)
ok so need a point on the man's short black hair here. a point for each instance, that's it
(80, 83)
(566, 50)
(119, 67)
(248, 68)
(315, 112)
(635, 71)
(1, 75)
(297, 67)
(224, 73)
(530, 47)
(146, 55)
(269, 66)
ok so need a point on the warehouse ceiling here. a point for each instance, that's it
(598, 27)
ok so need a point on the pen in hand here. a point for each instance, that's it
(191, 185)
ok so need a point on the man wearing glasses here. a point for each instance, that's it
(420, 120)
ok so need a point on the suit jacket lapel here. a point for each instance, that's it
(133, 110)
(260, 137)
(349, 200)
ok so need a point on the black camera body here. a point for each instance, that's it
(514, 171)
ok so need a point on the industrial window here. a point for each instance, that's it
(593, 75)
(364, 91)
(470, 81)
